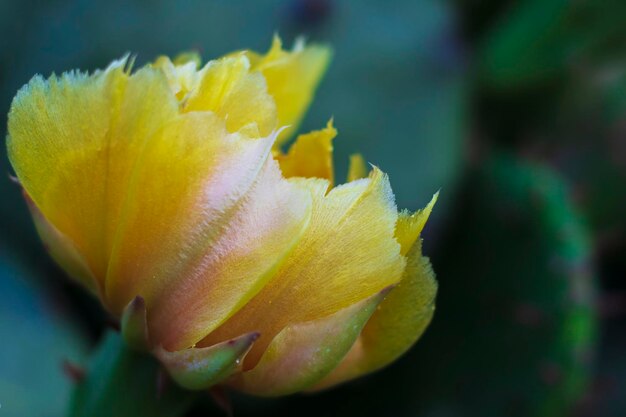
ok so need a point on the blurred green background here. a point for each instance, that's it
(515, 109)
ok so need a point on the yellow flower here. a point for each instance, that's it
(163, 191)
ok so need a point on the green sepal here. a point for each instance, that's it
(134, 325)
(121, 382)
(201, 368)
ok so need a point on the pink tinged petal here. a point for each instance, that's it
(397, 324)
(201, 368)
(304, 353)
(347, 253)
(252, 247)
(202, 174)
(202, 241)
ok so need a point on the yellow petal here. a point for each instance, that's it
(185, 58)
(292, 78)
(347, 253)
(182, 75)
(229, 89)
(208, 221)
(395, 326)
(357, 168)
(73, 141)
(311, 156)
(410, 226)
(62, 250)
(304, 353)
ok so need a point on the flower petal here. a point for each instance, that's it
(210, 220)
(201, 368)
(410, 226)
(62, 250)
(73, 141)
(182, 75)
(347, 253)
(292, 78)
(229, 89)
(311, 156)
(357, 168)
(395, 326)
(304, 353)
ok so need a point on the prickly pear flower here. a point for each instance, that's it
(164, 191)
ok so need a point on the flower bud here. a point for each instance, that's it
(165, 193)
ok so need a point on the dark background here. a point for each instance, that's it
(516, 110)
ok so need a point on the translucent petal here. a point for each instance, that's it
(410, 226)
(395, 326)
(292, 78)
(357, 168)
(311, 156)
(182, 75)
(62, 250)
